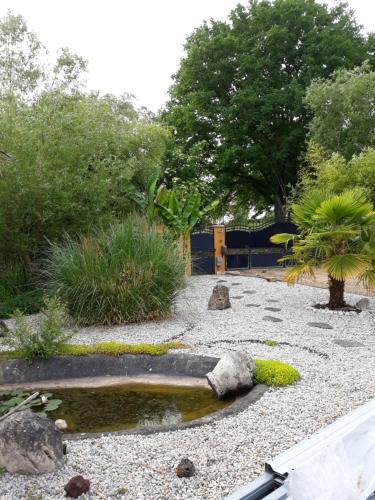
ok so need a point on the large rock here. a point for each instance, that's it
(363, 304)
(219, 298)
(185, 468)
(232, 375)
(30, 443)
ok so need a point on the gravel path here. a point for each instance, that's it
(230, 452)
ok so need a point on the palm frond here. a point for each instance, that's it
(342, 267)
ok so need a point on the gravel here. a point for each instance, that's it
(232, 451)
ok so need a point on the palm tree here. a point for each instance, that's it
(337, 234)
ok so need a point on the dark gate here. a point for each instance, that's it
(203, 251)
(250, 247)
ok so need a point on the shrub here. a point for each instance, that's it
(127, 274)
(17, 290)
(44, 341)
(275, 373)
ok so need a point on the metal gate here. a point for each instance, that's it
(203, 251)
(250, 246)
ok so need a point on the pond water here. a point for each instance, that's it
(112, 408)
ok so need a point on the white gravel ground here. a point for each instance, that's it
(230, 452)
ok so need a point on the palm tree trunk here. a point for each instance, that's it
(336, 293)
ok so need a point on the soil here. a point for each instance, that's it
(320, 281)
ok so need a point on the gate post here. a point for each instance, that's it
(219, 243)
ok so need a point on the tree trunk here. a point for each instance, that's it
(336, 293)
(279, 208)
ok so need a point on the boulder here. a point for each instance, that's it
(185, 468)
(232, 375)
(30, 443)
(220, 298)
(77, 486)
(363, 304)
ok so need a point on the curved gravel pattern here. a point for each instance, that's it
(230, 452)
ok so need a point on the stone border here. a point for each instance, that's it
(20, 371)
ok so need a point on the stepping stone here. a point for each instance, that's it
(272, 318)
(236, 284)
(324, 326)
(249, 292)
(237, 297)
(252, 305)
(272, 300)
(348, 343)
(222, 281)
(273, 309)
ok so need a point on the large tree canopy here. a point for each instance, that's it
(344, 111)
(237, 104)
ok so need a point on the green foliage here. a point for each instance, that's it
(129, 273)
(110, 348)
(18, 290)
(237, 109)
(271, 343)
(275, 373)
(336, 233)
(47, 338)
(337, 174)
(74, 159)
(344, 111)
(182, 216)
(40, 405)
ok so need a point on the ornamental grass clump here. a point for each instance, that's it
(129, 273)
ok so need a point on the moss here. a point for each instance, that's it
(271, 343)
(111, 348)
(275, 373)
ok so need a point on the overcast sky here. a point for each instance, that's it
(132, 45)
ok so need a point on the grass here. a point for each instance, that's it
(275, 373)
(271, 343)
(127, 274)
(111, 348)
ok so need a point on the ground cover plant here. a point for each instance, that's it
(128, 273)
(110, 348)
(336, 233)
(275, 373)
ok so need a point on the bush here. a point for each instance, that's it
(127, 274)
(47, 339)
(17, 291)
(275, 373)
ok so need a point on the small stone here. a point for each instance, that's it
(61, 424)
(222, 281)
(348, 343)
(252, 305)
(272, 318)
(272, 309)
(76, 486)
(219, 299)
(324, 326)
(3, 328)
(236, 284)
(249, 292)
(363, 304)
(185, 468)
(238, 297)
(272, 300)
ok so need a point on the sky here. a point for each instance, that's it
(132, 46)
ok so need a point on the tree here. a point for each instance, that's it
(237, 108)
(336, 233)
(22, 73)
(74, 157)
(344, 111)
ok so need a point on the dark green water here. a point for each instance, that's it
(113, 408)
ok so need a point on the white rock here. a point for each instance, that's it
(61, 424)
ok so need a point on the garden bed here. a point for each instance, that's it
(336, 365)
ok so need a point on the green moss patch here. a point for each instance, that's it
(275, 373)
(271, 343)
(111, 348)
